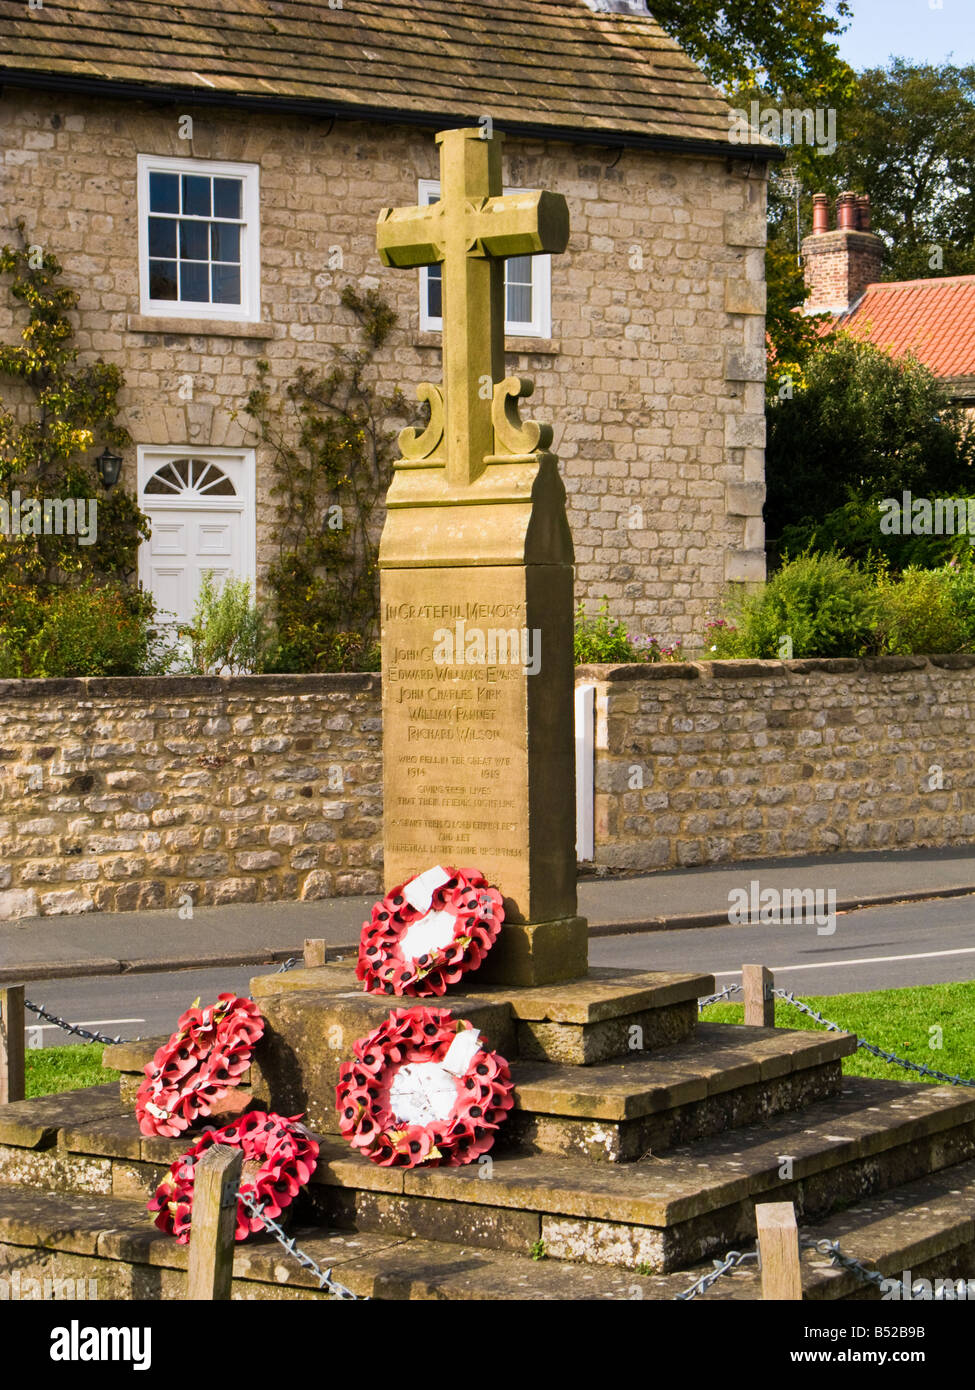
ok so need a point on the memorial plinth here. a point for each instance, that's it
(476, 585)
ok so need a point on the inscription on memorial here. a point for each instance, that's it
(456, 693)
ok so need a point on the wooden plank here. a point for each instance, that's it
(778, 1250)
(756, 984)
(314, 953)
(11, 1044)
(214, 1220)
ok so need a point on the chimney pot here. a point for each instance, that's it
(820, 214)
(863, 206)
(846, 212)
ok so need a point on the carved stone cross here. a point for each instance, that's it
(470, 231)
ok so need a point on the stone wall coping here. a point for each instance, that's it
(365, 682)
(156, 687)
(754, 670)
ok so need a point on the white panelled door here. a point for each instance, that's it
(200, 506)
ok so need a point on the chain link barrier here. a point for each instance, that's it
(702, 1004)
(74, 1028)
(890, 1057)
(736, 1258)
(324, 1276)
(733, 1260)
(87, 1036)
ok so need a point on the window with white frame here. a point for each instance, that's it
(199, 245)
(527, 286)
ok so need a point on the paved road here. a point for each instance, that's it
(874, 948)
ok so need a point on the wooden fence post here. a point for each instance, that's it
(756, 984)
(778, 1251)
(314, 953)
(213, 1222)
(11, 1044)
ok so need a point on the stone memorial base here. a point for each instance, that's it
(621, 1172)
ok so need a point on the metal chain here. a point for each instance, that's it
(735, 1258)
(713, 998)
(41, 1012)
(831, 1248)
(731, 1261)
(890, 1057)
(324, 1276)
(103, 1038)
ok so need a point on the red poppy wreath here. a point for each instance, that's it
(279, 1158)
(206, 1056)
(423, 1087)
(428, 932)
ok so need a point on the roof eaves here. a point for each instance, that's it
(164, 93)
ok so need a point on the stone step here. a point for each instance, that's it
(926, 1229)
(110, 1241)
(315, 1016)
(723, 1077)
(664, 1212)
(670, 1211)
(923, 1230)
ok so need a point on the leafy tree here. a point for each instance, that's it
(907, 137)
(778, 46)
(332, 454)
(791, 336)
(54, 413)
(861, 426)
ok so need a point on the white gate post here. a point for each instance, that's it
(585, 718)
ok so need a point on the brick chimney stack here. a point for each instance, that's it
(839, 265)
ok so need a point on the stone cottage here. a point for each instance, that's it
(210, 181)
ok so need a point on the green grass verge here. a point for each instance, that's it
(898, 1020)
(70, 1068)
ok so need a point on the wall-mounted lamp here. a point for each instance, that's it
(109, 466)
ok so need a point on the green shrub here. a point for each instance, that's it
(723, 641)
(825, 604)
(600, 639)
(228, 631)
(89, 631)
(920, 613)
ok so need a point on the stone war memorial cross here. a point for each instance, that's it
(476, 570)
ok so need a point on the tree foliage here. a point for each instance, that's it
(54, 412)
(332, 453)
(906, 136)
(861, 426)
(776, 46)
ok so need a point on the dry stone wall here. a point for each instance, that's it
(122, 794)
(733, 760)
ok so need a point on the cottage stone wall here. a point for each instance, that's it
(121, 794)
(653, 375)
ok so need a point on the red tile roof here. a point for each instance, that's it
(934, 319)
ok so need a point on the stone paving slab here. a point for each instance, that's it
(35, 1123)
(607, 992)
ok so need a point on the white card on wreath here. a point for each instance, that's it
(420, 890)
(460, 1053)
